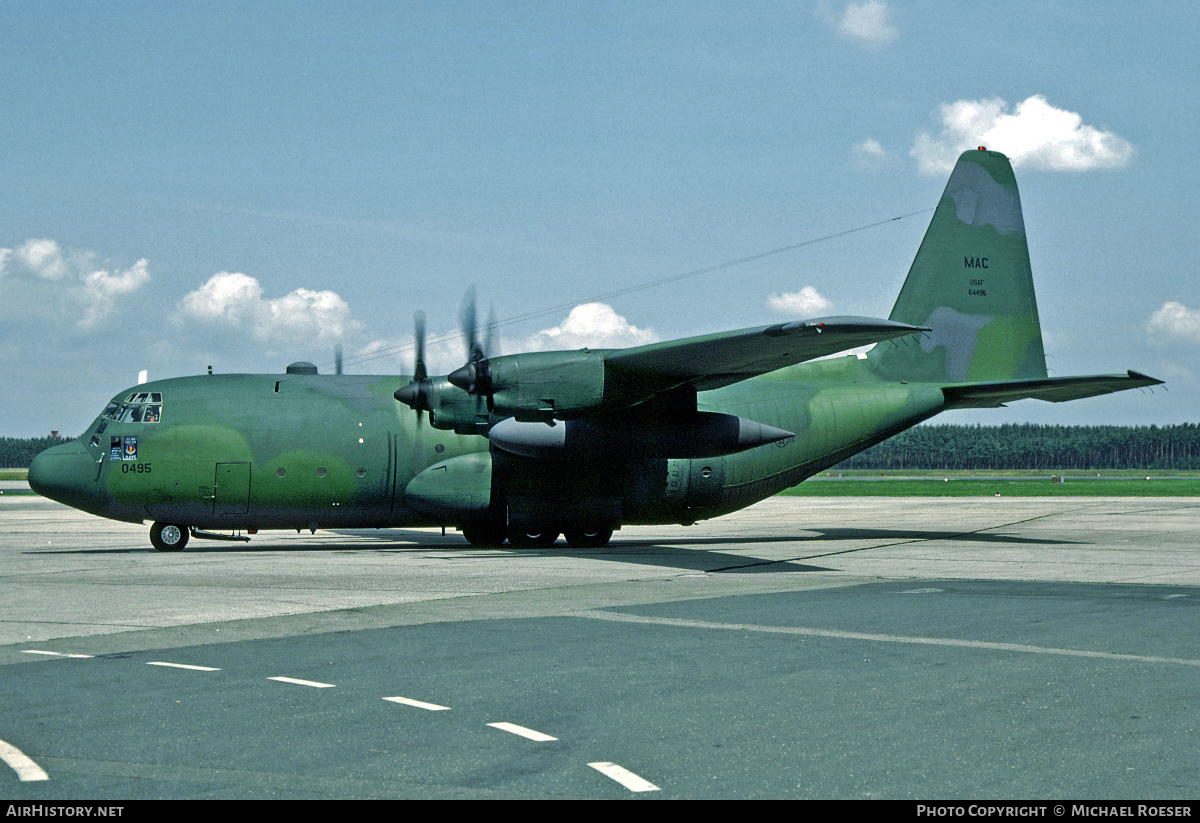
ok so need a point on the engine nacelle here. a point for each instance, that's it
(696, 435)
(449, 407)
(545, 385)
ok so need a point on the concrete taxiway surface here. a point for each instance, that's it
(806, 647)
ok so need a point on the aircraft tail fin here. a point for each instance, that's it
(971, 284)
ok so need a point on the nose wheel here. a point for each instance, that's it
(167, 537)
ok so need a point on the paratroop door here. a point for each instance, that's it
(231, 491)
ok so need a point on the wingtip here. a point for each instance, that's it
(1150, 381)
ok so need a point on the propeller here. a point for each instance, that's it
(337, 359)
(416, 394)
(475, 377)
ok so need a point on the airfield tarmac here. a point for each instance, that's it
(916, 648)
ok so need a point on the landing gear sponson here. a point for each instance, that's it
(578, 537)
(168, 537)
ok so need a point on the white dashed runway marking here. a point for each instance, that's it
(312, 683)
(625, 777)
(182, 666)
(429, 707)
(25, 768)
(513, 728)
(54, 654)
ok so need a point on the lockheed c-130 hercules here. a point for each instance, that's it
(525, 447)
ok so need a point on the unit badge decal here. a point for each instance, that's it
(131, 448)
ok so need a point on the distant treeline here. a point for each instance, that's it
(1028, 446)
(1016, 446)
(16, 453)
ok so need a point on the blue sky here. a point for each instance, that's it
(246, 185)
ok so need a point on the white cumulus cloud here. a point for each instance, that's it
(866, 23)
(1034, 134)
(44, 283)
(591, 325)
(302, 316)
(43, 258)
(1175, 321)
(870, 155)
(807, 302)
(102, 289)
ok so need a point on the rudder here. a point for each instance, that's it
(971, 284)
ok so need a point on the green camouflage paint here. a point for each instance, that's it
(306, 450)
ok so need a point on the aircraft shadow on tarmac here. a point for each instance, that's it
(682, 553)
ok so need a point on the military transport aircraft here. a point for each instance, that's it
(523, 447)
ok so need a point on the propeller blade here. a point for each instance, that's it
(337, 359)
(419, 372)
(468, 321)
(474, 377)
(488, 335)
(416, 394)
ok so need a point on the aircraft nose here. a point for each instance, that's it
(66, 473)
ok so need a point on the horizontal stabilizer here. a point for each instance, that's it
(1052, 389)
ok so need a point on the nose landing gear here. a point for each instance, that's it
(167, 537)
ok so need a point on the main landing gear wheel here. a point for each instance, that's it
(532, 540)
(587, 538)
(167, 537)
(484, 537)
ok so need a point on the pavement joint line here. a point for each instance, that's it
(802, 631)
(924, 539)
(27, 771)
(531, 734)
(631, 781)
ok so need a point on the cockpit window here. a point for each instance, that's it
(139, 407)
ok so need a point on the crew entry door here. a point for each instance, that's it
(231, 490)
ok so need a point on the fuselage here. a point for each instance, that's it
(247, 452)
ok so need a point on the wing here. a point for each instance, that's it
(715, 360)
(542, 386)
(1053, 389)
